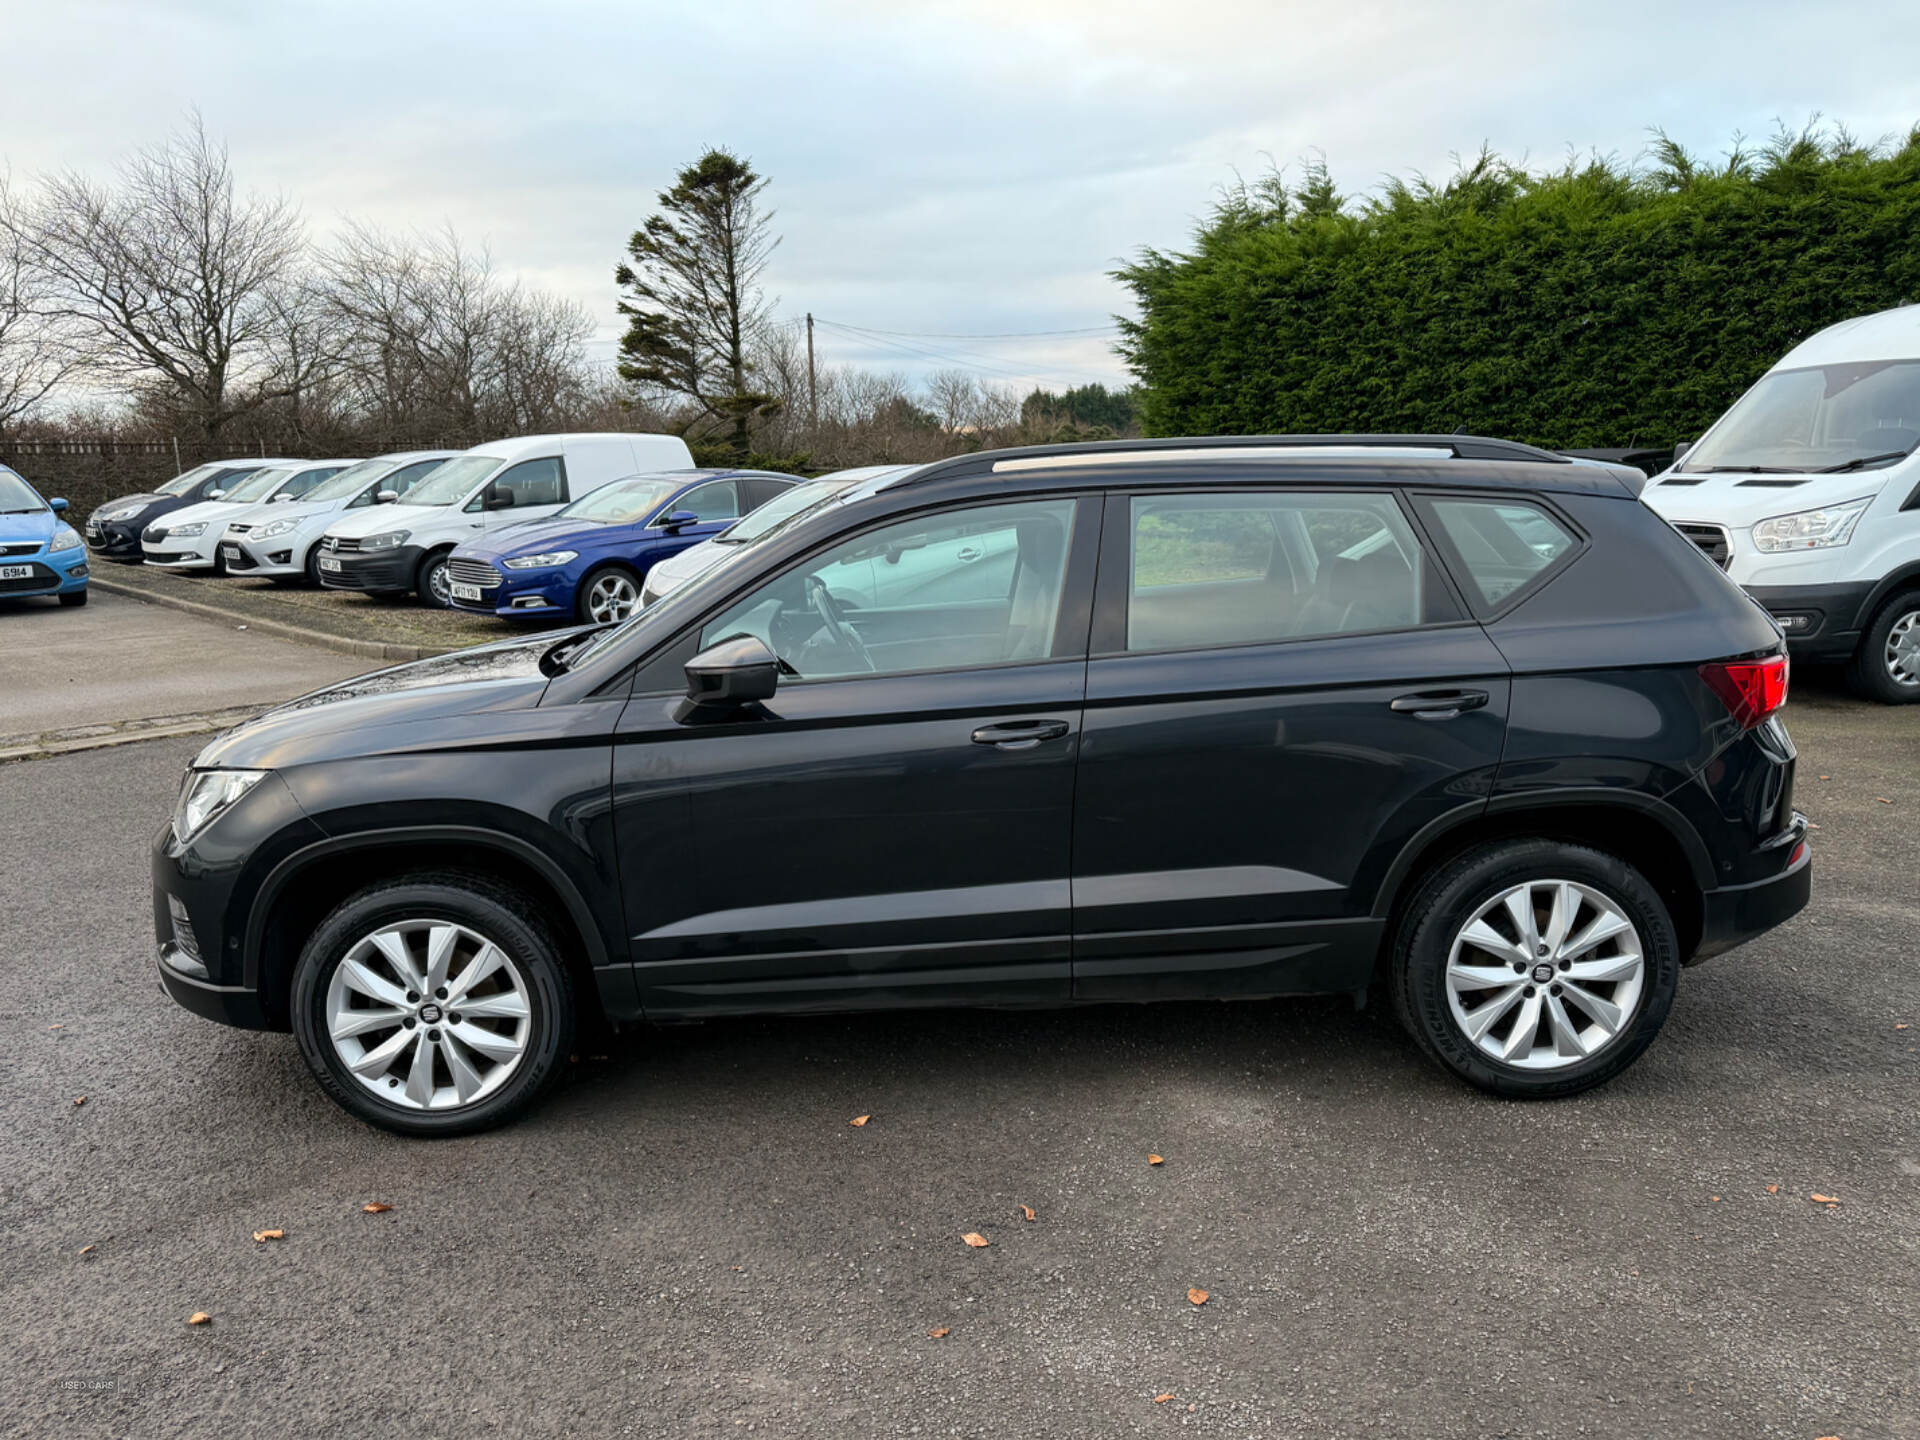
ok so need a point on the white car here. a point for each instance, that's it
(189, 539)
(393, 549)
(675, 571)
(281, 540)
(1807, 492)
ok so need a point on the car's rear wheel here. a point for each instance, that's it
(1534, 969)
(1886, 667)
(434, 1005)
(431, 582)
(607, 595)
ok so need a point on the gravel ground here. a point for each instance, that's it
(691, 1240)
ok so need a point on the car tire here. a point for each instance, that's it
(526, 1002)
(1568, 1047)
(310, 567)
(603, 587)
(430, 582)
(73, 599)
(1890, 650)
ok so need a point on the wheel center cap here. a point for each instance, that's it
(430, 1014)
(1542, 973)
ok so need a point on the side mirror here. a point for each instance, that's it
(386, 497)
(1680, 451)
(679, 520)
(215, 494)
(499, 498)
(59, 507)
(738, 671)
(283, 495)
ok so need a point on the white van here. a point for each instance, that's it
(1807, 492)
(393, 548)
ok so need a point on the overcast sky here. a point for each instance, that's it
(950, 167)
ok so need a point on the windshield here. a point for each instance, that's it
(787, 506)
(17, 497)
(1825, 417)
(622, 503)
(180, 484)
(454, 480)
(349, 480)
(257, 486)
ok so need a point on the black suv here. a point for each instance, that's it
(1131, 721)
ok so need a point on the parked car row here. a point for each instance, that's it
(543, 527)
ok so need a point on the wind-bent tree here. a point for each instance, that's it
(693, 301)
(180, 281)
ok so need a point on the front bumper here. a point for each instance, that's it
(384, 572)
(61, 573)
(229, 1004)
(270, 557)
(1822, 623)
(116, 540)
(522, 594)
(194, 553)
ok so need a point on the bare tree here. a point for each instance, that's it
(172, 273)
(38, 349)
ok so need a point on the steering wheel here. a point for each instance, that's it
(843, 634)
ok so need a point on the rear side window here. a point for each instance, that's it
(1243, 569)
(1503, 545)
(760, 491)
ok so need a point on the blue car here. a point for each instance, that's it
(587, 561)
(40, 554)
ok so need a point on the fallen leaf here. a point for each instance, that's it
(56, 1027)
(1027, 1210)
(88, 1249)
(1826, 777)
(859, 1120)
(739, 1267)
(1824, 1199)
(978, 1242)
(1812, 826)
(940, 1332)
(1903, 1025)
(1163, 1397)
(376, 1207)
(1883, 800)
(1198, 1297)
(1714, 1198)
(261, 1236)
(200, 1317)
(1773, 1189)
(1155, 1160)
(79, 1099)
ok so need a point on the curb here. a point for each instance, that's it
(101, 737)
(367, 649)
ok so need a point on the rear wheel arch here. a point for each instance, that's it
(1641, 832)
(303, 889)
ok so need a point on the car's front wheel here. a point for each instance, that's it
(1534, 969)
(433, 1004)
(608, 595)
(1886, 667)
(432, 583)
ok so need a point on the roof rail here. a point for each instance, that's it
(1113, 452)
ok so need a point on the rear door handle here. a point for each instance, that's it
(1439, 704)
(1019, 734)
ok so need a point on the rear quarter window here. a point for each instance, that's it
(1501, 547)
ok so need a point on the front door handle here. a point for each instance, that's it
(1019, 734)
(1439, 704)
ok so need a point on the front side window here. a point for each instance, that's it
(957, 590)
(304, 482)
(531, 482)
(1502, 545)
(1244, 569)
(454, 480)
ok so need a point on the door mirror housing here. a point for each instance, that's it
(215, 494)
(386, 497)
(282, 496)
(739, 670)
(58, 506)
(1680, 451)
(679, 520)
(499, 498)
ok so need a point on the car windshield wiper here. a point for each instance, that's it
(1744, 470)
(1863, 461)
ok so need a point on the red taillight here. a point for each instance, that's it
(1750, 689)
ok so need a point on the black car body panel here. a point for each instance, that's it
(120, 539)
(1230, 820)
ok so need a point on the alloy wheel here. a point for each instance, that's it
(428, 1014)
(1902, 657)
(612, 597)
(1546, 974)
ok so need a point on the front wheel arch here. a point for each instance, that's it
(582, 592)
(422, 577)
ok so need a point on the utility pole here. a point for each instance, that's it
(813, 395)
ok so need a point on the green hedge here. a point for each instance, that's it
(1592, 306)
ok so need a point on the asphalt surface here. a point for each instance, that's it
(690, 1239)
(117, 659)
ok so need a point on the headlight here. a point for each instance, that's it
(187, 532)
(393, 539)
(278, 527)
(65, 537)
(125, 512)
(205, 795)
(1810, 529)
(543, 561)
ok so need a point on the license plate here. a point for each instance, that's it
(229, 552)
(93, 532)
(16, 572)
(329, 564)
(465, 592)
